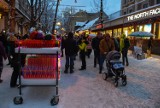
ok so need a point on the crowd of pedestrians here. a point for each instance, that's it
(101, 45)
(71, 46)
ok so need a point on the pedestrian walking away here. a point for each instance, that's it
(124, 46)
(95, 47)
(70, 51)
(106, 45)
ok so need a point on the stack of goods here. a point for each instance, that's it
(41, 66)
(39, 43)
(37, 39)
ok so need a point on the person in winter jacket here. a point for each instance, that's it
(95, 46)
(150, 45)
(2, 55)
(70, 51)
(89, 46)
(116, 43)
(124, 46)
(83, 50)
(106, 45)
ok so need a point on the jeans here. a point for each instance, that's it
(83, 58)
(69, 61)
(124, 56)
(102, 58)
(96, 57)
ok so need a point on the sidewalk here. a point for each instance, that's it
(87, 89)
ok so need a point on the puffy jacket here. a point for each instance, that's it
(83, 47)
(70, 47)
(106, 46)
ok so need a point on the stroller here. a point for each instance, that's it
(115, 68)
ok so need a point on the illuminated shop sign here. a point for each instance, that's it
(144, 14)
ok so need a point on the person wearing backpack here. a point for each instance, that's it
(124, 46)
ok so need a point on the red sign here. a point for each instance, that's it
(99, 26)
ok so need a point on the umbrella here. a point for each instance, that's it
(141, 34)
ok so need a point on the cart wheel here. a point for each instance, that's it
(116, 84)
(124, 83)
(18, 100)
(124, 80)
(105, 76)
(54, 100)
(138, 57)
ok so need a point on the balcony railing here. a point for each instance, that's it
(135, 7)
(22, 9)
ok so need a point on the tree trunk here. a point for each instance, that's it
(12, 16)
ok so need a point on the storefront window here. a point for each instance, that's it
(128, 30)
(147, 27)
(109, 31)
(156, 31)
(119, 33)
(115, 32)
(125, 31)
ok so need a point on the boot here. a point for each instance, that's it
(66, 69)
(71, 69)
(100, 70)
(82, 68)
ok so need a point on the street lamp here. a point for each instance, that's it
(55, 16)
(101, 14)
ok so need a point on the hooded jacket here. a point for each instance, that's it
(106, 46)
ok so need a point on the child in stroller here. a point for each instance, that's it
(115, 68)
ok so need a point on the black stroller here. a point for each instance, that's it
(115, 68)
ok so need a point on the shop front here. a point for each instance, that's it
(144, 20)
(147, 20)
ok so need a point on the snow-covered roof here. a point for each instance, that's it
(80, 23)
(89, 24)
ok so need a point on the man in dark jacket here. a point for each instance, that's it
(95, 47)
(2, 55)
(70, 51)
